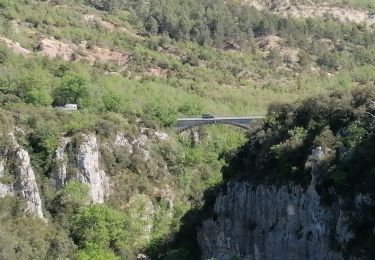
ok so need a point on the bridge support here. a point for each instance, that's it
(195, 137)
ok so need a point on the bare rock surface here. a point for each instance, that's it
(53, 48)
(89, 169)
(267, 222)
(61, 158)
(14, 46)
(26, 184)
(105, 55)
(122, 141)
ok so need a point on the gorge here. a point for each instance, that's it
(192, 129)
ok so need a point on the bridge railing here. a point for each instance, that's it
(224, 115)
(243, 122)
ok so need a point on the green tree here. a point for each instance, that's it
(74, 194)
(152, 26)
(167, 115)
(72, 89)
(184, 27)
(266, 26)
(112, 102)
(39, 97)
(99, 226)
(93, 252)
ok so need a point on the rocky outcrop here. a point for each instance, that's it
(97, 53)
(88, 165)
(4, 188)
(265, 222)
(14, 46)
(195, 137)
(161, 136)
(87, 160)
(61, 158)
(89, 168)
(136, 145)
(26, 184)
(53, 48)
(17, 159)
(122, 141)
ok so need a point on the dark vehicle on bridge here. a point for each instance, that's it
(208, 116)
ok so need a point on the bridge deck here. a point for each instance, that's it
(243, 122)
(219, 118)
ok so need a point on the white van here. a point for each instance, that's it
(71, 107)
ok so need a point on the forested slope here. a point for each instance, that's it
(133, 67)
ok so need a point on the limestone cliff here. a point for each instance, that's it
(25, 183)
(268, 222)
(59, 174)
(80, 157)
(89, 170)
(85, 158)
(86, 161)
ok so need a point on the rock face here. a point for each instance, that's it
(122, 141)
(53, 48)
(59, 175)
(195, 137)
(4, 189)
(89, 170)
(26, 183)
(265, 222)
(262, 222)
(87, 162)
(106, 55)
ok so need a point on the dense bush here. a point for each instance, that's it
(342, 122)
(28, 238)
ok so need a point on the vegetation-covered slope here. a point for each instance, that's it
(140, 64)
(341, 126)
(258, 56)
(342, 122)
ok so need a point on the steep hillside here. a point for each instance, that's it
(257, 56)
(303, 185)
(112, 180)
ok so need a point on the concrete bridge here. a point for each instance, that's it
(183, 124)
